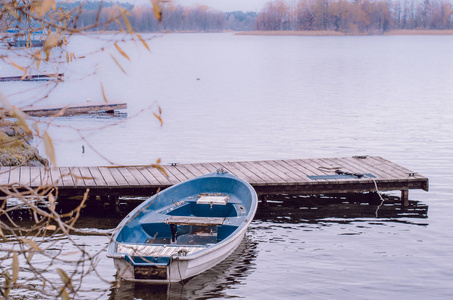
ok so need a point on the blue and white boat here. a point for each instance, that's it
(184, 230)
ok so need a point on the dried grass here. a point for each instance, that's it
(11, 145)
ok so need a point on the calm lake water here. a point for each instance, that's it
(225, 98)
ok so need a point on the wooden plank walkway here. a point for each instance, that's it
(73, 109)
(36, 77)
(294, 176)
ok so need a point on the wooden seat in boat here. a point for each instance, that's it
(199, 221)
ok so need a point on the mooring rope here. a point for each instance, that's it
(175, 258)
(379, 194)
(365, 176)
(179, 270)
(169, 270)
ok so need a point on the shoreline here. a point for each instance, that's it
(419, 32)
(289, 32)
(293, 33)
(337, 33)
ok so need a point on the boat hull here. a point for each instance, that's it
(183, 231)
(180, 269)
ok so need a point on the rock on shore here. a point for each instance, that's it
(14, 149)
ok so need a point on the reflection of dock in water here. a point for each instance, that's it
(297, 209)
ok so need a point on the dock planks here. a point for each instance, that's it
(72, 109)
(267, 177)
(34, 77)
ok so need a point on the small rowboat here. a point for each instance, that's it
(184, 230)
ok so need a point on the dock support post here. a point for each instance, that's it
(115, 202)
(263, 199)
(111, 202)
(405, 197)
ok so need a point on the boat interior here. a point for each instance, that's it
(201, 219)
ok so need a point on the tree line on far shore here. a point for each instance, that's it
(354, 16)
(197, 18)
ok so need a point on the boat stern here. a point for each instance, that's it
(151, 263)
(127, 270)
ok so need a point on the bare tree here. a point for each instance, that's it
(356, 17)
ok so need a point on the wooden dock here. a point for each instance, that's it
(296, 176)
(35, 77)
(73, 109)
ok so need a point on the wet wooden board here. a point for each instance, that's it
(4, 175)
(130, 179)
(14, 176)
(160, 177)
(35, 177)
(97, 176)
(120, 180)
(173, 171)
(107, 176)
(267, 177)
(34, 77)
(138, 176)
(72, 109)
(66, 177)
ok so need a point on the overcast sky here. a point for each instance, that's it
(228, 5)
(223, 5)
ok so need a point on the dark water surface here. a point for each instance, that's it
(263, 97)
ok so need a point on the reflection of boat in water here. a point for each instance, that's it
(214, 282)
(184, 230)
